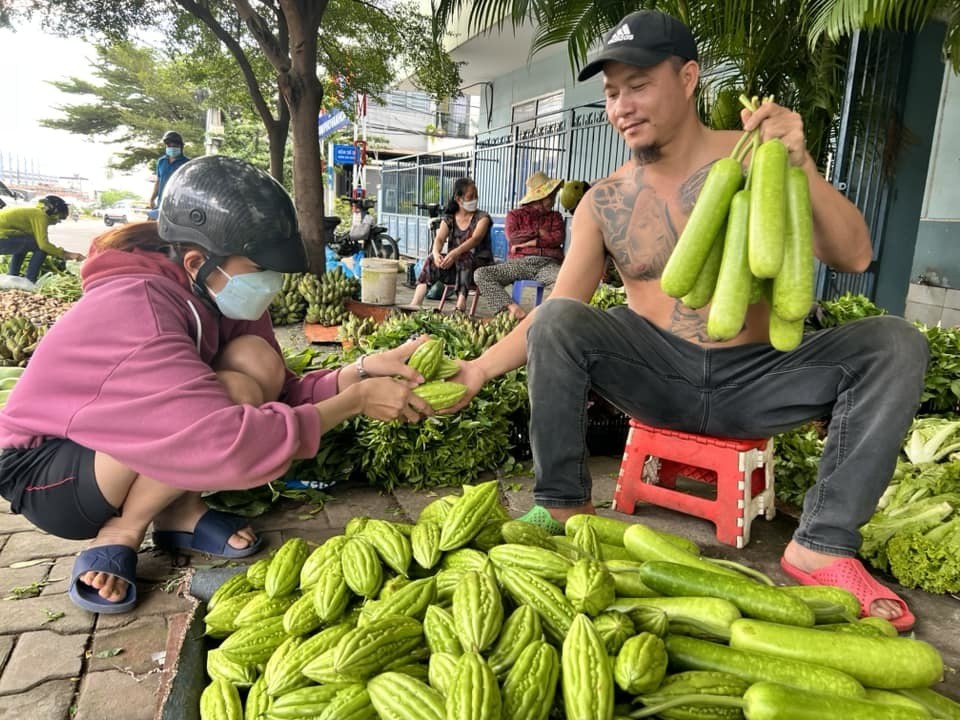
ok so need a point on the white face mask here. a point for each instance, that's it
(469, 205)
(247, 296)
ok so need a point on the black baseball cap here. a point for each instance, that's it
(644, 38)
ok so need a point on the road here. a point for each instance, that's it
(76, 236)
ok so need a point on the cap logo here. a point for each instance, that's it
(622, 34)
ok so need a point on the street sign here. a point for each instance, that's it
(344, 154)
(329, 124)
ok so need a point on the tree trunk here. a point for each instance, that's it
(304, 93)
(277, 133)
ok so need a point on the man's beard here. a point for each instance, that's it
(647, 154)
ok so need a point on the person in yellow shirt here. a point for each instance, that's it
(24, 230)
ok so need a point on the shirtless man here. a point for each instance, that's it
(653, 359)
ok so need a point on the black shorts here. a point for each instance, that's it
(54, 487)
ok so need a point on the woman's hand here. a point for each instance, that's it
(776, 121)
(67, 255)
(448, 260)
(394, 362)
(386, 398)
(437, 258)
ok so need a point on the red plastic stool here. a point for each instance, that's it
(741, 470)
(447, 289)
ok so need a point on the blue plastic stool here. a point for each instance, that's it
(519, 285)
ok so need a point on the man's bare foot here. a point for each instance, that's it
(809, 561)
(562, 514)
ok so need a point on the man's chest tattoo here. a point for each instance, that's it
(638, 230)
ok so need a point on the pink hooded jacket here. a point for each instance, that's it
(127, 372)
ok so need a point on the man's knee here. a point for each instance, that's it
(254, 357)
(560, 314)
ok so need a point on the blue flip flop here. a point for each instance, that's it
(210, 536)
(118, 560)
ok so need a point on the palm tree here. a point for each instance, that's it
(836, 18)
(795, 50)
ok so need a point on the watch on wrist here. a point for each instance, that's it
(361, 372)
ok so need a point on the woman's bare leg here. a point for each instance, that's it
(252, 372)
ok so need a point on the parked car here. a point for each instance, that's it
(11, 198)
(125, 212)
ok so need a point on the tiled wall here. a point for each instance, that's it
(931, 305)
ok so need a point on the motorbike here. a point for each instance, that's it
(367, 236)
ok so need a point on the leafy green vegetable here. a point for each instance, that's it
(929, 560)
(941, 385)
(796, 456)
(607, 296)
(844, 309)
(876, 533)
(931, 439)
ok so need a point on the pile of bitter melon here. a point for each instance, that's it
(467, 614)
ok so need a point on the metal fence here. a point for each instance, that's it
(868, 139)
(578, 143)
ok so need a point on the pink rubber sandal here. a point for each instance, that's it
(850, 574)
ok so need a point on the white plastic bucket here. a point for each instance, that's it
(378, 281)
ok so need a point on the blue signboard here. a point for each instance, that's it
(344, 154)
(331, 123)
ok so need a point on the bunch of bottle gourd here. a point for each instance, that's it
(749, 237)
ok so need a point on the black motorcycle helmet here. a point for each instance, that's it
(229, 207)
(55, 205)
(172, 137)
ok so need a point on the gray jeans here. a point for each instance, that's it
(866, 376)
(492, 279)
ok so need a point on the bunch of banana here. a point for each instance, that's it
(326, 296)
(354, 328)
(289, 306)
(18, 340)
(8, 378)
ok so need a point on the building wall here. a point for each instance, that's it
(938, 239)
(544, 75)
(932, 296)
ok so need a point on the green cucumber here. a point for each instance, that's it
(939, 706)
(611, 531)
(879, 662)
(773, 701)
(645, 544)
(728, 309)
(793, 286)
(768, 185)
(688, 653)
(706, 283)
(707, 217)
(752, 598)
(701, 616)
(830, 604)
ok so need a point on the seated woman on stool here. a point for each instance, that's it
(466, 230)
(165, 380)
(536, 233)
